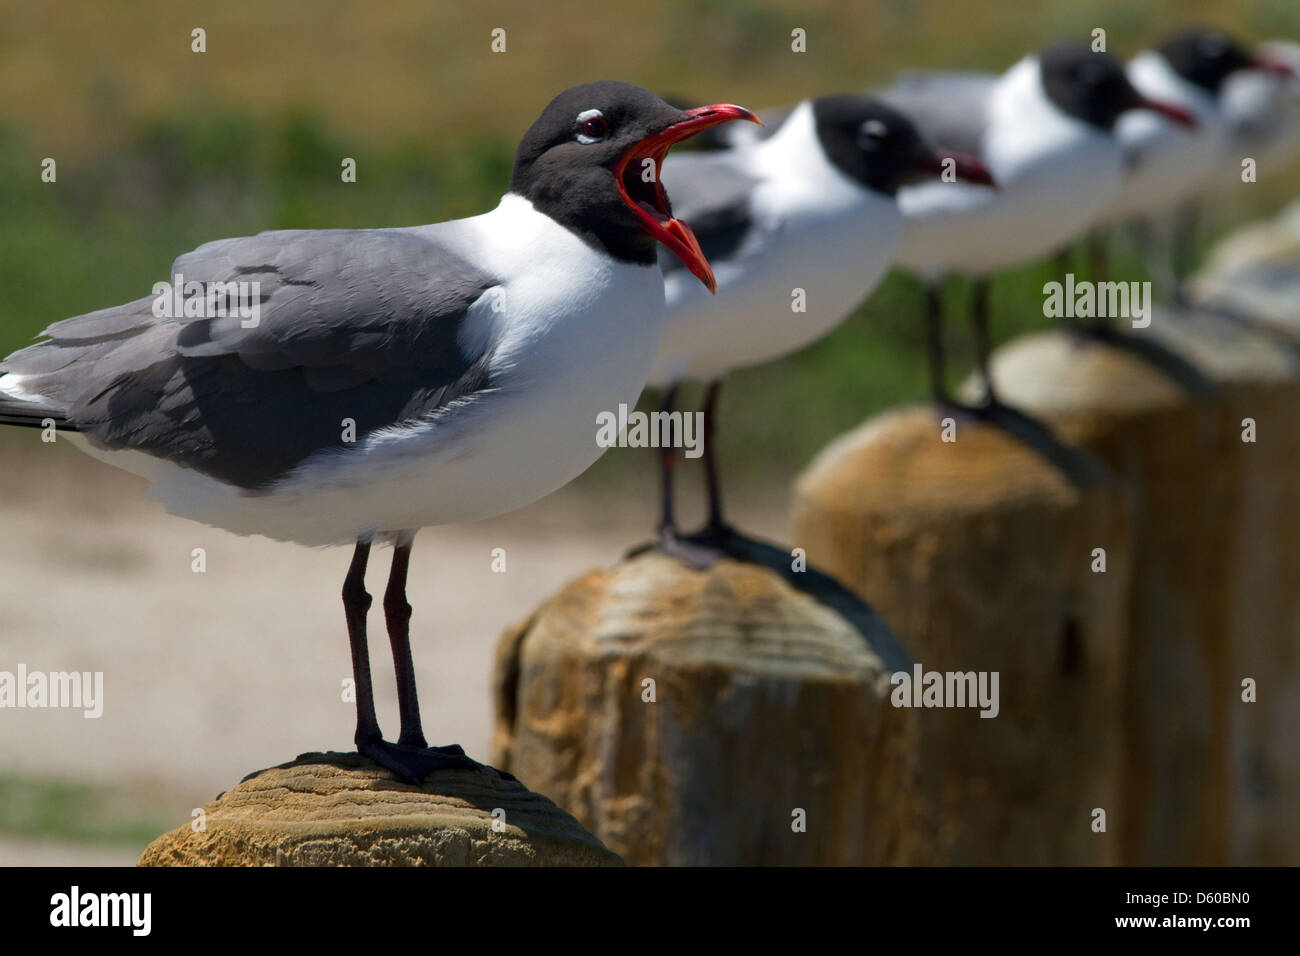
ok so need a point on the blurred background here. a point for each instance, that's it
(159, 149)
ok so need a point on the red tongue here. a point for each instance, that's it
(698, 265)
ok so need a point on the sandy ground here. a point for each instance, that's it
(209, 676)
(20, 852)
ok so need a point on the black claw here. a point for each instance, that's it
(412, 764)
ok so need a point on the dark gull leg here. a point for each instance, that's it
(980, 326)
(716, 523)
(1064, 261)
(397, 612)
(1159, 262)
(1183, 257)
(409, 759)
(934, 341)
(356, 604)
(670, 541)
(667, 464)
(1098, 254)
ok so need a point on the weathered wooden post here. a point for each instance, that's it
(991, 553)
(706, 717)
(343, 810)
(1215, 545)
(1255, 274)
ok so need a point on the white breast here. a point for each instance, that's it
(1053, 172)
(575, 338)
(818, 231)
(1166, 164)
(1262, 111)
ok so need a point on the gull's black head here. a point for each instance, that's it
(1205, 57)
(1093, 87)
(591, 162)
(1089, 86)
(877, 146)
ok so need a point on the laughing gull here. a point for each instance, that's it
(395, 378)
(1262, 108)
(800, 226)
(1045, 130)
(1168, 166)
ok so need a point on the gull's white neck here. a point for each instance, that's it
(793, 156)
(1151, 73)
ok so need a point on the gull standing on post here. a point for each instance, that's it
(1046, 131)
(1167, 166)
(805, 215)
(468, 360)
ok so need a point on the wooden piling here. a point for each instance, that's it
(1216, 561)
(343, 810)
(1255, 274)
(980, 552)
(715, 717)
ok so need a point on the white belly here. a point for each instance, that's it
(836, 260)
(1169, 165)
(584, 346)
(1263, 115)
(1045, 198)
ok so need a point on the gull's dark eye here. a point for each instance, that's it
(592, 127)
(872, 134)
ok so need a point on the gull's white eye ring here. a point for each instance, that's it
(592, 127)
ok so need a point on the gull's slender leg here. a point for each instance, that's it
(356, 604)
(410, 759)
(667, 464)
(397, 612)
(934, 341)
(690, 553)
(980, 326)
(1098, 254)
(710, 456)
(1183, 256)
(1156, 254)
(1064, 260)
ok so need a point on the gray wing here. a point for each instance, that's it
(711, 193)
(358, 324)
(950, 110)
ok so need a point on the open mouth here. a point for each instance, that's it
(649, 201)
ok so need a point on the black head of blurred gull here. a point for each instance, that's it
(799, 226)
(1046, 131)
(394, 378)
(1167, 164)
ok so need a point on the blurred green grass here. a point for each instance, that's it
(76, 812)
(160, 149)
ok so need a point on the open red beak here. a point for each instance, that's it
(649, 201)
(1270, 64)
(966, 168)
(1169, 110)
